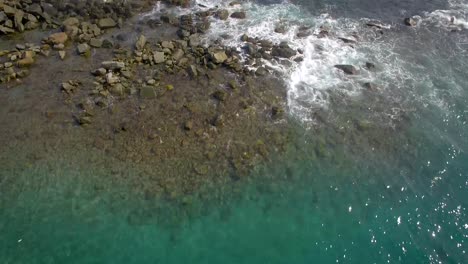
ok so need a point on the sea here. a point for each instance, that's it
(377, 171)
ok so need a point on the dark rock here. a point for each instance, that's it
(283, 52)
(239, 15)
(370, 66)
(220, 95)
(347, 40)
(409, 21)
(188, 125)
(95, 43)
(370, 86)
(348, 69)
(281, 29)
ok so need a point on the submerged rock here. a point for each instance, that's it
(348, 69)
(239, 15)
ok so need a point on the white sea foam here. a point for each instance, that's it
(314, 80)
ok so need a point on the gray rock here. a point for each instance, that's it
(219, 57)
(105, 23)
(141, 42)
(117, 89)
(167, 45)
(71, 22)
(96, 43)
(113, 65)
(83, 48)
(194, 40)
(192, 70)
(159, 57)
(178, 54)
(348, 69)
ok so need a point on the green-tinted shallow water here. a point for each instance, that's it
(303, 208)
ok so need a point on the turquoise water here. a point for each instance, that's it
(391, 189)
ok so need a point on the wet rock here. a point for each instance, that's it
(58, 38)
(69, 87)
(374, 24)
(113, 65)
(409, 21)
(281, 29)
(222, 14)
(105, 23)
(6, 30)
(348, 69)
(141, 42)
(283, 52)
(239, 15)
(83, 48)
(347, 40)
(370, 86)
(159, 57)
(261, 71)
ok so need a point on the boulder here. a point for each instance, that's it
(71, 22)
(105, 23)
(27, 59)
(219, 56)
(283, 52)
(95, 43)
(178, 54)
(348, 69)
(58, 38)
(83, 48)
(159, 57)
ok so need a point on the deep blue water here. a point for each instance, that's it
(384, 179)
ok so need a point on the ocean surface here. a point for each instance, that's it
(372, 176)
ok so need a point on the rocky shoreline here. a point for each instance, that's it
(146, 92)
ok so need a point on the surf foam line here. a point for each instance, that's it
(312, 81)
